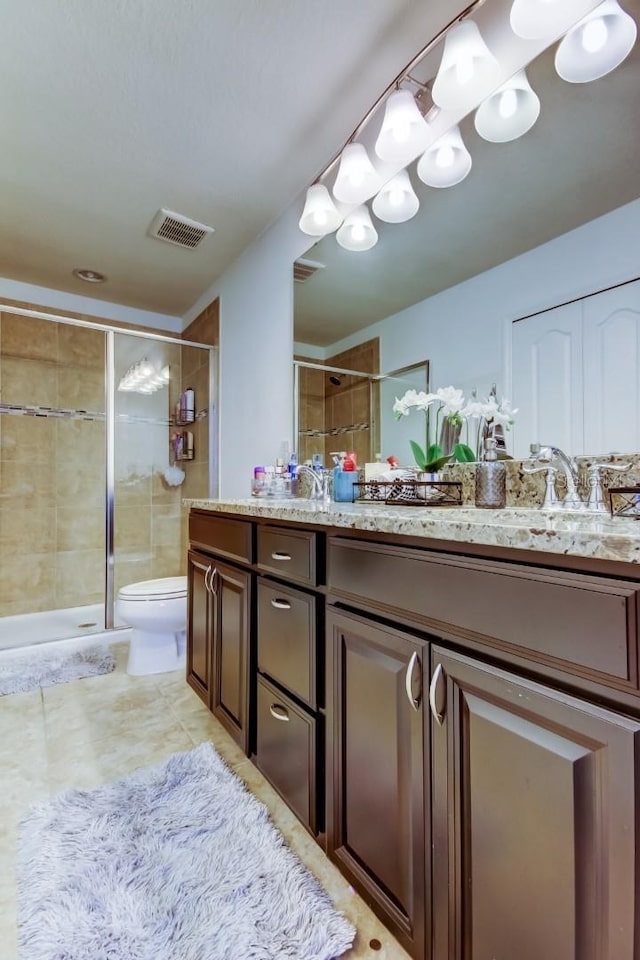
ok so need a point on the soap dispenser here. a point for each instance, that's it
(491, 478)
(344, 479)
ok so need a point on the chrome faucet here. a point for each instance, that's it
(319, 482)
(546, 454)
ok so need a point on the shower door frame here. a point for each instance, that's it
(110, 331)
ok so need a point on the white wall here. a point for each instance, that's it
(46, 297)
(256, 352)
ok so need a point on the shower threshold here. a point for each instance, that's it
(25, 629)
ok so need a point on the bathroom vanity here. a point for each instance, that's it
(449, 700)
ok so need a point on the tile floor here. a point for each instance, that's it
(85, 733)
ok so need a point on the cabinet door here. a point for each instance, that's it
(612, 370)
(375, 769)
(230, 674)
(547, 380)
(199, 625)
(534, 820)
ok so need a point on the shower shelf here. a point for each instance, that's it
(335, 431)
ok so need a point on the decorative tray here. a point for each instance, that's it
(625, 502)
(407, 492)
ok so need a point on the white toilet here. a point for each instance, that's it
(157, 612)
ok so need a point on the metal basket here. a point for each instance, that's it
(408, 492)
(625, 502)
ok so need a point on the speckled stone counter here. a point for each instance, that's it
(572, 534)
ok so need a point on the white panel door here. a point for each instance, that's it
(611, 322)
(547, 380)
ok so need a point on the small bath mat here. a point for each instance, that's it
(47, 664)
(174, 862)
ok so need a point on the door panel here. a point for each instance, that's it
(534, 818)
(199, 626)
(376, 804)
(231, 649)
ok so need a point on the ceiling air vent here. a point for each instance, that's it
(303, 270)
(174, 228)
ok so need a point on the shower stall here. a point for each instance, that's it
(90, 423)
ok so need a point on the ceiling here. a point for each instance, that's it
(579, 161)
(222, 111)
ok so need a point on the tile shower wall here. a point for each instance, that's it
(352, 402)
(52, 499)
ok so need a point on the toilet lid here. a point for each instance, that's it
(165, 588)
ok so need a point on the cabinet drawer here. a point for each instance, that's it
(582, 624)
(229, 538)
(287, 638)
(286, 751)
(288, 553)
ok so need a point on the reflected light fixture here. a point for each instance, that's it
(396, 202)
(597, 44)
(544, 19)
(320, 215)
(357, 178)
(403, 132)
(358, 233)
(446, 162)
(89, 276)
(144, 377)
(468, 70)
(509, 112)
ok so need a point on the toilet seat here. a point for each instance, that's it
(166, 588)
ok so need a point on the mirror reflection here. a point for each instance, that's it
(517, 276)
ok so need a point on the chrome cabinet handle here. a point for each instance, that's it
(279, 555)
(281, 604)
(408, 681)
(206, 578)
(278, 712)
(213, 581)
(435, 679)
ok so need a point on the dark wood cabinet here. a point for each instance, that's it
(377, 809)
(199, 625)
(231, 592)
(535, 820)
(218, 640)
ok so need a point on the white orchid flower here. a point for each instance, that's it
(400, 407)
(504, 415)
(451, 398)
(476, 409)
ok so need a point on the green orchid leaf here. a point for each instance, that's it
(418, 454)
(434, 465)
(434, 452)
(463, 454)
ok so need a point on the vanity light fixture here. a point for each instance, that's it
(509, 112)
(404, 131)
(468, 70)
(358, 233)
(144, 377)
(320, 215)
(597, 44)
(396, 202)
(357, 178)
(445, 163)
(544, 19)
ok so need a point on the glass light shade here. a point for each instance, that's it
(320, 215)
(396, 202)
(358, 233)
(357, 178)
(468, 70)
(509, 112)
(596, 45)
(544, 19)
(446, 162)
(404, 132)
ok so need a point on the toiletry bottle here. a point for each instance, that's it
(257, 487)
(343, 481)
(317, 461)
(189, 405)
(293, 473)
(491, 478)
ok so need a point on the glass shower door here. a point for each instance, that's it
(52, 491)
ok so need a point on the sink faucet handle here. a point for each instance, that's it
(551, 500)
(596, 500)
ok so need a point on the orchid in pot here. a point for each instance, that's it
(445, 405)
(491, 420)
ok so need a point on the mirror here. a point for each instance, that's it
(579, 162)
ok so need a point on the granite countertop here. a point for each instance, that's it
(571, 533)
